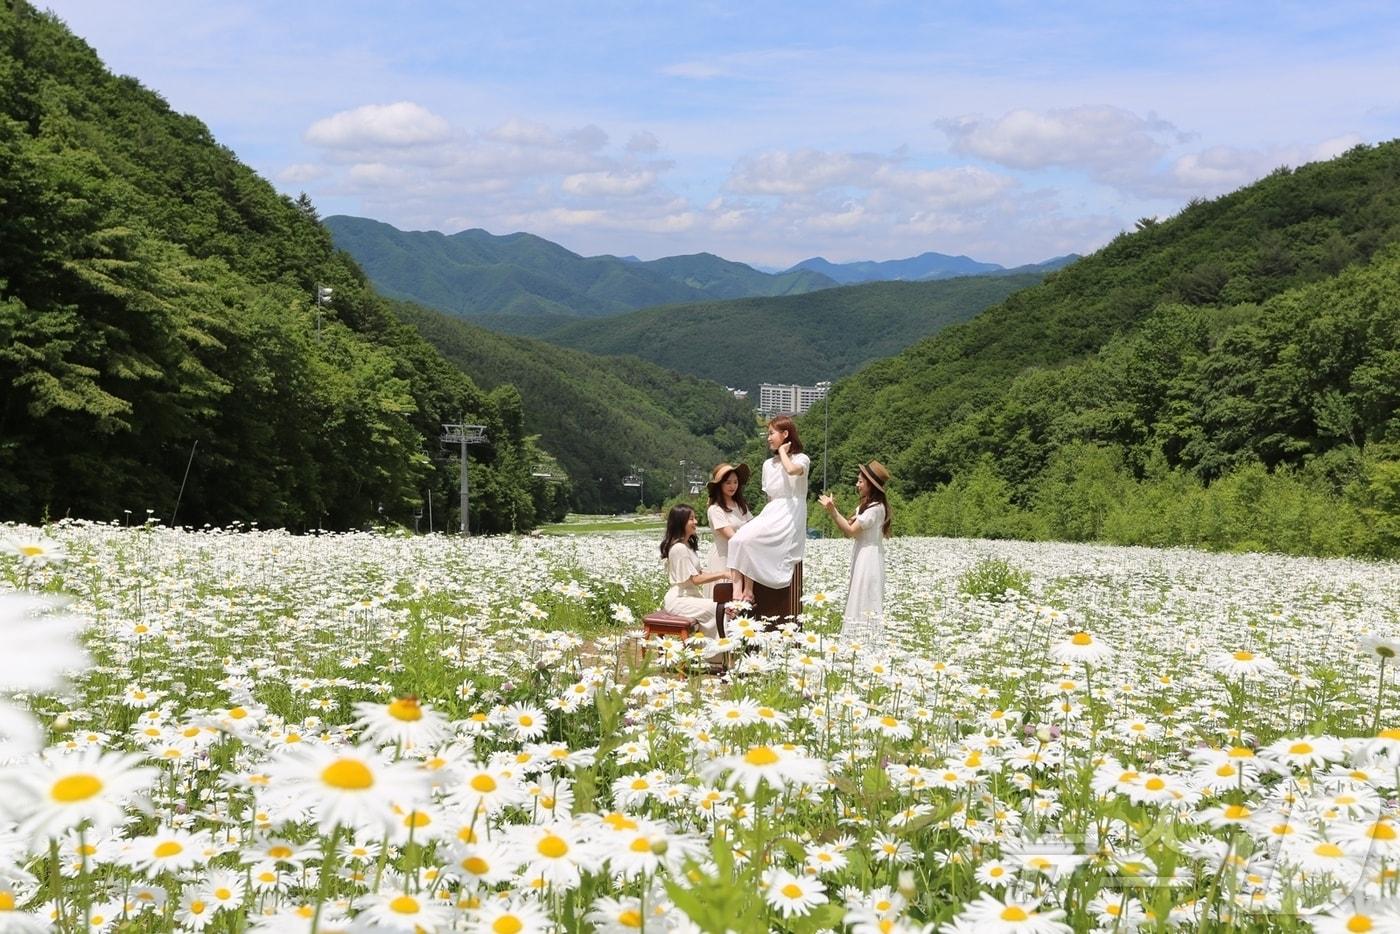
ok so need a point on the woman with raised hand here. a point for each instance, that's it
(728, 513)
(869, 525)
(766, 549)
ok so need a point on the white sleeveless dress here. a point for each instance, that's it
(864, 617)
(766, 549)
(721, 518)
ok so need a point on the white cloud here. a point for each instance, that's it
(643, 143)
(799, 171)
(395, 125)
(608, 184)
(1220, 169)
(1100, 138)
(301, 172)
(378, 175)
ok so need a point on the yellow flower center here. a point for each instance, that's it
(552, 846)
(71, 789)
(223, 894)
(792, 890)
(1391, 733)
(1330, 850)
(1154, 784)
(1243, 656)
(1082, 638)
(476, 865)
(1300, 749)
(169, 848)
(484, 784)
(406, 709)
(1382, 831)
(760, 755)
(507, 924)
(1359, 923)
(279, 852)
(197, 907)
(1236, 812)
(1241, 752)
(630, 918)
(417, 819)
(1226, 770)
(7, 901)
(348, 775)
(641, 845)
(405, 905)
(889, 721)
(1014, 913)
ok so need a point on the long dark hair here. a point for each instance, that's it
(717, 493)
(785, 423)
(676, 520)
(873, 495)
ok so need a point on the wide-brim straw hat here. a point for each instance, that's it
(876, 474)
(723, 470)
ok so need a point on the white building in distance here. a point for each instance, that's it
(789, 399)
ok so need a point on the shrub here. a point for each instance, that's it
(993, 579)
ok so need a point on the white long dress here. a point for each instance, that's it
(721, 518)
(864, 617)
(684, 598)
(766, 549)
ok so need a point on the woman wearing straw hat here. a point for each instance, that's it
(869, 525)
(727, 513)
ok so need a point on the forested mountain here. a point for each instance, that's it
(922, 267)
(599, 416)
(795, 338)
(1260, 328)
(158, 315)
(474, 273)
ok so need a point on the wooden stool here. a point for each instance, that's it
(668, 625)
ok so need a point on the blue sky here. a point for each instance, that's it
(766, 132)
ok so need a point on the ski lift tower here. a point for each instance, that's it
(635, 479)
(466, 436)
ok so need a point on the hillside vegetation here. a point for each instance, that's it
(474, 273)
(158, 316)
(1253, 339)
(599, 416)
(797, 338)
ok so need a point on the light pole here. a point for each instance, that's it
(466, 436)
(323, 298)
(825, 387)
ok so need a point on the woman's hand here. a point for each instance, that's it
(827, 502)
(784, 448)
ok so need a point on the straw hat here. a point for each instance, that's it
(720, 472)
(875, 474)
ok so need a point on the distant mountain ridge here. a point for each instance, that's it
(919, 268)
(474, 273)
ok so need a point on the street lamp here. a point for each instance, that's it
(825, 387)
(323, 298)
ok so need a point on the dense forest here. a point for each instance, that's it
(158, 316)
(793, 339)
(1192, 382)
(521, 277)
(602, 416)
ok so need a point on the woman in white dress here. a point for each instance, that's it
(869, 526)
(728, 513)
(766, 549)
(684, 598)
